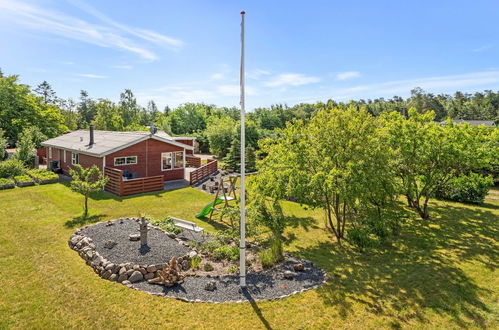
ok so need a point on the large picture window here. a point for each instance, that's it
(172, 160)
(128, 160)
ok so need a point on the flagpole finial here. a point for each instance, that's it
(243, 12)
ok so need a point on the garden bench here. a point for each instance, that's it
(191, 226)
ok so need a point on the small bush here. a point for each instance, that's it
(470, 188)
(11, 168)
(208, 267)
(233, 269)
(6, 183)
(209, 246)
(267, 258)
(225, 237)
(167, 225)
(225, 252)
(195, 262)
(23, 179)
(360, 237)
(42, 175)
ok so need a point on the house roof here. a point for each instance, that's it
(472, 122)
(106, 142)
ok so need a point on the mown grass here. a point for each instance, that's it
(441, 273)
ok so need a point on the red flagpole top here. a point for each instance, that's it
(243, 12)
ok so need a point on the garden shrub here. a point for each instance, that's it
(195, 262)
(42, 175)
(361, 238)
(471, 188)
(167, 224)
(233, 269)
(23, 179)
(6, 183)
(267, 258)
(224, 252)
(208, 267)
(209, 246)
(11, 168)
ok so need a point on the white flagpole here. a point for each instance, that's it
(242, 225)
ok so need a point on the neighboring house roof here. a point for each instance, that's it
(472, 122)
(107, 142)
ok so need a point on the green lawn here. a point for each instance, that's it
(437, 274)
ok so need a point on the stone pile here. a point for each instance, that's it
(169, 275)
(125, 273)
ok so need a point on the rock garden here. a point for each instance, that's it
(162, 259)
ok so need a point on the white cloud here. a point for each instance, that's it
(291, 79)
(91, 75)
(123, 66)
(482, 48)
(347, 75)
(218, 76)
(111, 35)
(257, 74)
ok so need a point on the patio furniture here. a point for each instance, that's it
(188, 225)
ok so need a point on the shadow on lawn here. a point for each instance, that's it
(82, 220)
(421, 271)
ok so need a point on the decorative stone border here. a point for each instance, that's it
(125, 273)
(129, 273)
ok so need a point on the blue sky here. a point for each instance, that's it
(297, 51)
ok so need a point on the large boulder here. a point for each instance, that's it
(136, 277)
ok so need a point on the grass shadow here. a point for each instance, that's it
(421, 271)
(81, 220)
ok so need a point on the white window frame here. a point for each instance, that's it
(173, 160)
(64, 151)
(73, 162)
(50, 152)
(136, 160)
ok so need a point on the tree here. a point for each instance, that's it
(86, 181)
(427, 154)
(3, 145)
(25, 148)
(19, 109)
(328, 163)
(86, 110)
(108, 116)
(130, 110)
(220, 133)
(45, 91)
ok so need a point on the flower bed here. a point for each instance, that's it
(24, 180)
(42, 176)
(7, 183)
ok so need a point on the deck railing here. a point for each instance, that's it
(192, 161)
(203, 171)
(118, 186)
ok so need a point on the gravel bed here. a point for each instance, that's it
(161, 247)
(260, 286)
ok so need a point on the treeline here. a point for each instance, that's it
(214, 127)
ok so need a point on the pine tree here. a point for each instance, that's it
(46, 92)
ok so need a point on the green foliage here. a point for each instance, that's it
(208, 267)
(25, 148)
(195, 262)
(6, 181)
(220, 133)
(361, 238)
(471, 188)
(11, 167)
(233, 269)
(427, 154)
(225, 252)
(267, 258)
(209, 246)
(108, 116)
(23, 178)
(86, 181)
(42, 175)
(167, 224)
(3, 145)
(21, 109)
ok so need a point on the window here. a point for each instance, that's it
(74, 158)
(128, 160)
(50, 152)
(172, 160)
(64, 153)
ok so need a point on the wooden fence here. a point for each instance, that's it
(192, 161)
(118, 186)
(203, 171)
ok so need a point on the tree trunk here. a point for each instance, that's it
(86, 206)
